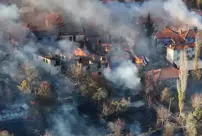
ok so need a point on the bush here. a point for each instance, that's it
(165, 95)
(44, 89)
(24, 87)
(197, 101)
(191, 125)
(5, 133)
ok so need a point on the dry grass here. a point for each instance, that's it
(165, 95)
(168, 129)
(163, 115)
(197, 100)
(182, 82)
(191, 126)
(5, 133)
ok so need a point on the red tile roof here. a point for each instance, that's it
(168, 33)
(37, 20)
(176, 36)
(55, 18)
(162, 74)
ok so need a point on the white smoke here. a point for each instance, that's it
(126, 74)
(171, 12)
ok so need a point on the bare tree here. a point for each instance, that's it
(197, 101)
(182, 82)
(197, 72)
(44, 89)
(115, 127)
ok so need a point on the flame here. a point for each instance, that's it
(79, 52)
(139, 60)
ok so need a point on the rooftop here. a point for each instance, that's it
(177, 36)
(162, 74)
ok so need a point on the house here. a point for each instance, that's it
(72, 32)
(157, 77)
(51, 63)
(173, 51)
(172, 35)
(44, 25)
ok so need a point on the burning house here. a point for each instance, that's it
(73, 33)
(45, 26)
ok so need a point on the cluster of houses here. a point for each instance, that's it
(174, 40)
(46, 27)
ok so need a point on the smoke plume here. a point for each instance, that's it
(126, 74)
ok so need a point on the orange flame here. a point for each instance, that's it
(79, 52)
(138, 60)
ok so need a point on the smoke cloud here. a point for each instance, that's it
(126, 74)
(171, 12)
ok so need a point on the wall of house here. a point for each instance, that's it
(48, 64)
(170, 55)
(78, 37)
(174, 55)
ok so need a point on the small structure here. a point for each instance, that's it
(156, 77)
(51, 63)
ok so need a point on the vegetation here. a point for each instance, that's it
(197, 101)
(182, 82)
(149, 26)
(162, 115)
(197, 72)
(5, 133)
(168, 129)
(24, 87)
(31, 72)
(114, 106)
(44, 90)
(191, 125)
(166, 95)
(116, 127)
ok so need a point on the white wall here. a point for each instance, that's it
(174, 55)
(170, 55)
(48, 65)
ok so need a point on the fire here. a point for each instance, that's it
(139, 60)
(79, 52)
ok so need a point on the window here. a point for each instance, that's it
(46, 61)
(70, 38)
